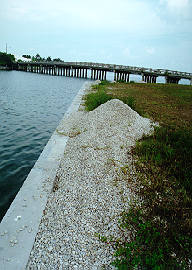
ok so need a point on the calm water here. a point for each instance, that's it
(31, 106)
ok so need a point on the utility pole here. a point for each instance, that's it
(6, 47)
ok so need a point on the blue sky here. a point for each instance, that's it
(145, 33)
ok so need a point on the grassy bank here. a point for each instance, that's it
(161, 222)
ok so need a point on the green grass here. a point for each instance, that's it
(93, 100)
(99, 96)
(169, 104)
(161, 223)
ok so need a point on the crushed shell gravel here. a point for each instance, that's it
(90, 190)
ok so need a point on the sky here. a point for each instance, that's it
(143, 33)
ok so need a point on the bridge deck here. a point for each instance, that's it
(112, 68)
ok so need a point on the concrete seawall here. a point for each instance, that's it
(21, 222)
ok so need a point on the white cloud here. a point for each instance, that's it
(178, 7)
(150, 50)
(177, 4)
(133, 16)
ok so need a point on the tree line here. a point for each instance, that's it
(9, 59)
(6, 59)
(38, 58)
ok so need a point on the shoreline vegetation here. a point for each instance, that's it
(160, 220)
(7, 60)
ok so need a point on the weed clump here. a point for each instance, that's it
(161, 225)
(130, 101)
(95, 99)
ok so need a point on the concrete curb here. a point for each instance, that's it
(20, 225)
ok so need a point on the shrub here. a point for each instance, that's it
(130, 101)
(93, 100)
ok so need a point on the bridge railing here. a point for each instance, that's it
(114, 67)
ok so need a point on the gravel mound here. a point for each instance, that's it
(90, 189)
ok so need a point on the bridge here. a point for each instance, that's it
(98, 71)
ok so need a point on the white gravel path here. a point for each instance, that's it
(90, 189)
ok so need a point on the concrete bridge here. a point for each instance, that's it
(99, 71)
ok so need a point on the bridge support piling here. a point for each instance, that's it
(170, 79)
(103, 72)
(149, 78)
(96, 74)
(102, 75)
(114, 75)
(99, 71)
(105, 75)
(93, 74)
(127, 77)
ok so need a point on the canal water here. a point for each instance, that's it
(31, 106)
